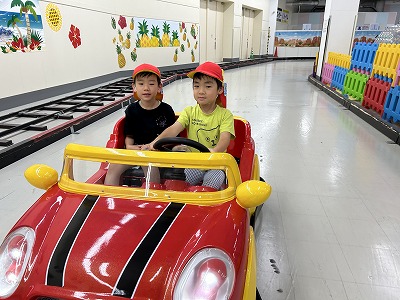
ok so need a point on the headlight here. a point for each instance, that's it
(14, 255)
(209, 275)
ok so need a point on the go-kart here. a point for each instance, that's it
(141, 240)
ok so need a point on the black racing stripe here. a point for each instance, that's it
(130, 276)
(55, 272)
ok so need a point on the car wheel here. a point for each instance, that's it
(258, 296)
(256, 212)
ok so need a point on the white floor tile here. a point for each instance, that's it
(374, 266)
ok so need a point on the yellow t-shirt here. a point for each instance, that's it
(206, 128)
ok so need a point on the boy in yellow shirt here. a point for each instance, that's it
(207, 122)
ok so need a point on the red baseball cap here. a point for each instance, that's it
(210, 69)
(147, 68)
(213, 70)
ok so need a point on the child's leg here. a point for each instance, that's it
(194, 176)
(153, 174)
(214, 178)
(114, 173)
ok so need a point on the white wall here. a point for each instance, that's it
(58, 63)
(393, 6)
(282, 25)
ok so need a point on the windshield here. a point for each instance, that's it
(162, 176)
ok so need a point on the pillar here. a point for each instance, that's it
(340, 19)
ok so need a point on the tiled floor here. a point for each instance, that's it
(332, 223)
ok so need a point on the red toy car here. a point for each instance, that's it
(85, 240)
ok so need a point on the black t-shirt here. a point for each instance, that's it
(145, 125)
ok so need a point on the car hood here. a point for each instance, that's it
(133, 248)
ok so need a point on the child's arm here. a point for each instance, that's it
(129, 144)
(223, 142)
(171, 131)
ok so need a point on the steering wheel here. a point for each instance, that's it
(162, 144)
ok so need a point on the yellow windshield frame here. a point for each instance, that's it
(222, 161)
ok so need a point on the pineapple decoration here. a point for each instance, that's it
(188, 43)
(144, 39)
(155, 36)
(127, 43)
(195, 45)
(166, 40)
(137, 41)
(193, 31)
(120, 37)
(121, 57)
(122, 40)
(176, 55)
(184, 34)
(133, 54)
(175, 39)
(193, 58)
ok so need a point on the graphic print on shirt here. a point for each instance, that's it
(211, 136)
(161, 122)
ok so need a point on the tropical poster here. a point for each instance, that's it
(132, 33)
(21, 28)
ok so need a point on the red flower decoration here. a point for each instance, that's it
(122, 22)
(74, 36)
(34, 44)
(18, 45)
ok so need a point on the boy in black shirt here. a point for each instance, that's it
(145, 119)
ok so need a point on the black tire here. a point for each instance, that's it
(256, 212)
(258, 296)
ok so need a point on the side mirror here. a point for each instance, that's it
(41, 176)
(252, 193)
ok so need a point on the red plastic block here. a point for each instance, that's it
(375, 94)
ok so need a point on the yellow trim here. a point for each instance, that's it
(222, 161)
(241, 119)
(256, 168)
(255, 175)
(251, 272)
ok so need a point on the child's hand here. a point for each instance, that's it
(146, 147)
(134, 147)
(150, 146)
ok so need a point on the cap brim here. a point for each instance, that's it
(145, 70)
(191, 74)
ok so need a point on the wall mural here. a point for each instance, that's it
(21, 28)
(297, 38)
(146, 33)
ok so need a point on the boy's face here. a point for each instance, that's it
(146, 87)
(205, 90)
